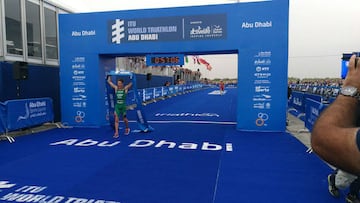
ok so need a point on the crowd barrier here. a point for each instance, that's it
(307, 107)
(151, 94)
(325, 91)
(24, 113)
(312, 111)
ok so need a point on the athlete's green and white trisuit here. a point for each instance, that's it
(120, 106)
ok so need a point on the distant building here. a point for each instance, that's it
(29, 51)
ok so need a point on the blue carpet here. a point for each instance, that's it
(196, 106)
(178, 162)
(271, 167)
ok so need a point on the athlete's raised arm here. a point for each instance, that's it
(110, 82)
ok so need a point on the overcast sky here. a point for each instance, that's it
(319, 31)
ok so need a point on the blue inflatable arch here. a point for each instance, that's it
(257, 32)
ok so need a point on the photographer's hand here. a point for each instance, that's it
(353, 75)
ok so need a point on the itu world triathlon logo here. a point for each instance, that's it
(117, 31)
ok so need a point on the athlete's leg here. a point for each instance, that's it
(116, 124)
(126, 121)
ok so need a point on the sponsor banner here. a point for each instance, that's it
(313, 109)
(149, 94)
(176, 89)
(28, 112)
(298, 99)
(158, 92)
(165, 91)
(171, 90)
(264, 83)
(79, 91)
(176, 28)
(205, 27)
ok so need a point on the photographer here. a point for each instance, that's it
(335, 136)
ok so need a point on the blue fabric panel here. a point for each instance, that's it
(25, 113)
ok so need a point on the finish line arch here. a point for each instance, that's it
(257, 32)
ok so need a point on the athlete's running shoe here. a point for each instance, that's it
(333, 190)
(127, 131)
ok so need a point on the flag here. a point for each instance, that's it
(198, 60)
(207, 64)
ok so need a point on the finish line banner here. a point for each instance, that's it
(256, 31)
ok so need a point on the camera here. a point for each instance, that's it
(345, 63)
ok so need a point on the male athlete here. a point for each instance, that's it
(120, 104)
(222, 87)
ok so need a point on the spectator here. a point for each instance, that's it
(289, 91)
(336, 135)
